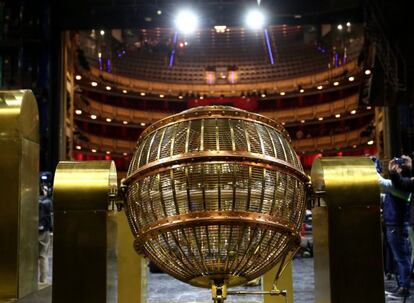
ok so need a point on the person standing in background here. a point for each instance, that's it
(45, 227)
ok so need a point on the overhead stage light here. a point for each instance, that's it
(186, 21)
(255, 19)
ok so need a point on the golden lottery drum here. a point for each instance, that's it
(215, 195)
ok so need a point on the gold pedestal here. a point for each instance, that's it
(85, 231)
(347, 231)
(19, 187)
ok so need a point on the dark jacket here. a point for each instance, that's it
(45, 214)
(402, 183)
(396, 211)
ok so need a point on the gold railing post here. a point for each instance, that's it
(19, 187)
(347, 231)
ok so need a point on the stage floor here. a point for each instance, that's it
(164, 289)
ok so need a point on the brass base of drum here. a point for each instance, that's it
(207, 281)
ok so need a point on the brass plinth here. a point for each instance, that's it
(347, 231)
(85, 232)
(19, 188)
(215, 195)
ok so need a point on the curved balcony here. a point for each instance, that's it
(262, 83)
(324, 110)
(331, 142)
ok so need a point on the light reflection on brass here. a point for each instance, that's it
(215, 195)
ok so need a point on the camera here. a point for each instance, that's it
(399, 161)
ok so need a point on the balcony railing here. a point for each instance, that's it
(341, 140)
(324, 110)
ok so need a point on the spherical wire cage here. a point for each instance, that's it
(215, 194)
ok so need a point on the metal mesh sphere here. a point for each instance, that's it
(215, 194)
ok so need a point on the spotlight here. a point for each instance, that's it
(350, 79)
(201, 97)
(348, 24)
(353, 112)
(78, 77)
(94, 84)
(186, 22)
(102, 32)
(124, 91)
(369, 107)
(108, 87)
(283, 123)
(93, 150)
(319, 87)
(336, 83)
(255, 19)
(282, 93)
(302, 121)
(78, 112)
(354, 146)
(142, 124)
(320, 118)
(161, 96)
(301, 90)
(367, 72)
(142, 94)
(125, 154)
(78, 147)
(263, 95)
(159, 12)
(108, 152)
(108, 120)
(93, 117)
(340, 27)
(370, 142)
(125, 122)
(338, 116)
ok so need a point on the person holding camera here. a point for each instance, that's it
(401, 173)
(397, 206)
